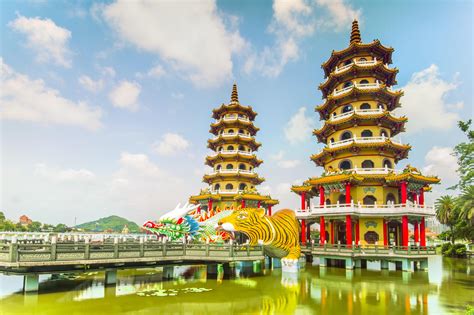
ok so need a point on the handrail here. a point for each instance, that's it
(356, 139)
(358, 208)
(357, 85)
(232, 118)
(369, 249)
(232, 152)
(357, 111)
(357, 62)
(225, 134)
(232, 171)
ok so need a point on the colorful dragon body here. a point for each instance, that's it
(186, 222)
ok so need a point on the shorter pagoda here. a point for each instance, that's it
(233, 180)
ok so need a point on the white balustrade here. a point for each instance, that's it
(230, 152)
(229, 135)
(381, 139)
(358, 112)
(363, 86)
(357, 62)
(232, 171)
(233, 118)
(225, 191)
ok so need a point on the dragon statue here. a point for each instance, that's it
(186, 222)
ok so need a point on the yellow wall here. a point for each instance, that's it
(356, 80)
(357, 160)
(355, 105)
(357, 131)
(341, 64)
(364, 229)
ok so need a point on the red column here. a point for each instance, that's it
(404, 230)
(422, 197)
(209, 205)
(321, 195)
(199, 209)
(303, 232)
(243, 203)
(322, 230)
(385, 233)
(348, 192)
(417, 236)
(403, 187)
(357, 233)
(303, 200)
(332, 231)
(348, 230)
(414, 197)
(269, 210)
(422, 232)
(259, 204)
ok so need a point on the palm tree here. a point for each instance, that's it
(446, 211)
(465, 203)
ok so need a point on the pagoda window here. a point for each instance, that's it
(242, 167)
(219, 149)
(383, 133)
(342, 198)
(366, 133)
(347, 62)
(346, 135)
(348, 84)
(217, 187)
(334, 114)
(387, 164)
(368, 164)
(345, 165)
(369, 200)
(229, 166)
(365, 106)
(250, 168)
(219, 167)
(328, 201)
(364, 81)
(242, 186)
(229, 187)
(347, 108)
(380, 105)
(230, 131)
(241, 116)
(230, 148)
(332, 140)
(391, 198)
(241, 148)
(362, 59)
(241, 131)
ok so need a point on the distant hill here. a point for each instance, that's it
(114, 223)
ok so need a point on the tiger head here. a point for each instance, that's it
(246, 220)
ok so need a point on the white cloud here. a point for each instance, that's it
(299, 127)
(91, 85)
(191, 38)
(156, 72)
(125, 95)
(441, 162)
(47, 39)
(108, 71)
(170, 144)
(25, 99)
(425, 96)
(341, 13)
(137, 165)
(64, 175)
(281, 162)
(177, 95)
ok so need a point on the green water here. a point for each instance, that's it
(446, 289)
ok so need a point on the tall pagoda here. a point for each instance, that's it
(363, 198)
(233, 180)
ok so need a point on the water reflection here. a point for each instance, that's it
(248, 288)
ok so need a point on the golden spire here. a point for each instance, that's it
(234, 98)
(355, 33)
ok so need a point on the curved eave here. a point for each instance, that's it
(385, 119)
(354, 49)
(413, 177)
(378, 70)
(382, 94)
(400, 149)
(253, 178)
(338, 178)
(265, 199)
(211, 160)
(215, 127)
(233, 107)
(193, 199)
(214, 143)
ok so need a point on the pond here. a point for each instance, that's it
(446, 289)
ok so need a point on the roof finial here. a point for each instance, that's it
(355, 33)
(234, 98)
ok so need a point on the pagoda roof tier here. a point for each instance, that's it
(248, 194)
(358, 144)
(360, 92)
(233, 122)
(374, 48)
(233, 107)
(413, 177)
(368, 117)
(235, 174)
(226, 138)
(372, 68)
(229, 156)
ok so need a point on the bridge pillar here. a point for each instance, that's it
(398, 265)
(363, 263)
(357, 263)
(168, 272)
(276, 263)
(349, 263)
(110, 277)
(322, 262)
(383, 264)
(407, 265)
(31, 283)
(424, 264)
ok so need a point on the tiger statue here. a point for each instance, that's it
(278, 233)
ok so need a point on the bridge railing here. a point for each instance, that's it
(370, 249)
(20, 252)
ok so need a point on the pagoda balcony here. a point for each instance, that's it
(231, 135)
(225, 192)
(358, 209)
(232, 118)
(231, 152)
(366, 63)
(361, 86)
(367, 171)
(355, 139)
(358, 112)
(232, 171)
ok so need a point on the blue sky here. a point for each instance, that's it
(105, 107)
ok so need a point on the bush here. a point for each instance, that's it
(456, 250)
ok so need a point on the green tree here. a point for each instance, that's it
(60, 228)
(464, 152)
(447, 213)
(465, 203)
(35, 226)
(2, 216)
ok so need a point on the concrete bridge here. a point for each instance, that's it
(31, 258)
